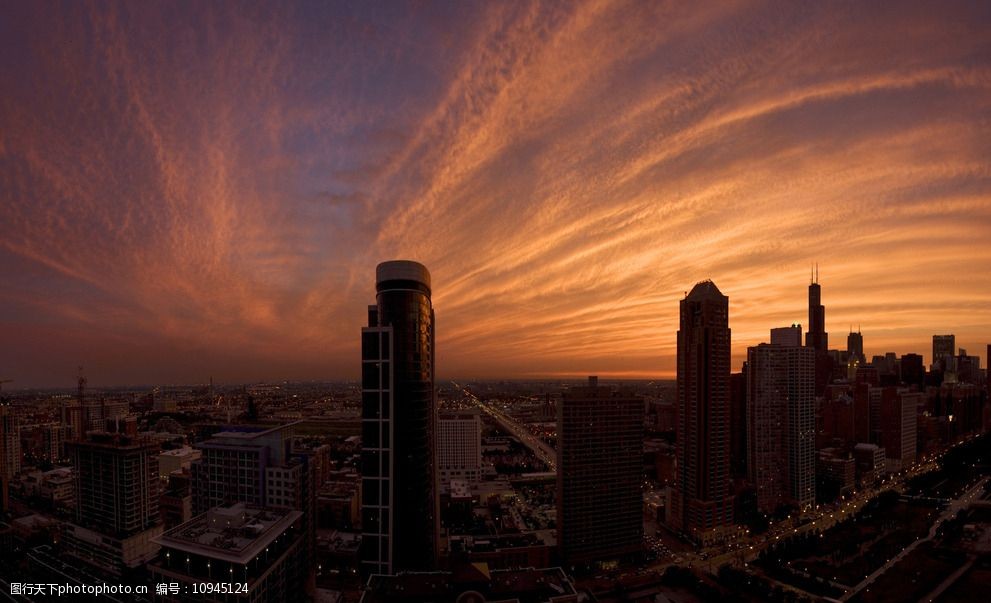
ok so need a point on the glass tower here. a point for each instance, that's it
(399, 503)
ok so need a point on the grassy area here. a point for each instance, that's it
(913, 577)
(854, 548)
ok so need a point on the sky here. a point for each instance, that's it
(197, 189)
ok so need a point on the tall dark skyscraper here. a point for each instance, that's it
(599, 468)
(816, 337)
(702, 503)
(399, 502)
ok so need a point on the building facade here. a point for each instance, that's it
(702, 505)
(781, 425)
(399, 499)
(459, 446)
(599, 470)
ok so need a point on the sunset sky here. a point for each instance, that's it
(193, 189)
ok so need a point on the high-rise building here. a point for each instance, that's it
(10, 451)
(399, 501)
(781, 425)
(817, 337)
(117, 496)
(599, 469)
(790, 336)
(913, 370)
(459, 446)
(898, 421)
(855, 346)
(251, 465)
(702, 504)
(256, 466)
(944, 349)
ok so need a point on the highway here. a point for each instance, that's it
(521, 432)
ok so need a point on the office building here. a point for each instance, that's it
(702, 506)
(251, 465)
(787, 336)
(178, 459)
(399, 500)
(781, 425)
(944, 350)
(599, 470)
(256, 466)
(459, 446)
(10, 451)
(259, 553)
(898, 421)
(855, 346)
(117, 494)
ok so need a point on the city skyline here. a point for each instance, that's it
(203, 193)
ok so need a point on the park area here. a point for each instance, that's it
(846, 553)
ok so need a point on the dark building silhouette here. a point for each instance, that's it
(790, 336)
(944, 349)
(702, 504)
(399, 503)
(599, 468)
(817, 337)
(855, 346)
(913, 370)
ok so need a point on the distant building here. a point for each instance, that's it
(781, 425)
(944, 350)
(262, 551)
(459, 446)
(10, 451)
(177, 460)
(817, 337)
(787, 336)
(599, 470)
(899, 415)
(117, 494)
(702, 506)
(400, 506)
(855, 346)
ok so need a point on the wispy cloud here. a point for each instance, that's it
(221, 184)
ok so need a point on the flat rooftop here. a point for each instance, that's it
(236, 533)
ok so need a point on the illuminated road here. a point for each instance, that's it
(507, 423)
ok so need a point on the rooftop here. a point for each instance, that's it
(236, 533)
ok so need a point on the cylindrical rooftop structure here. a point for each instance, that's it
(399, 271)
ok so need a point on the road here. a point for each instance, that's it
(521, 432)
(951, 510)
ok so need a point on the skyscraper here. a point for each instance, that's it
(702, 503)
(599, 467)
(781, 425)
(117, 492)
(10, 451)
(399, 502)
(817, 337)
(855, 346)
(944, 350)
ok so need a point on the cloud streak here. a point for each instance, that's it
(219, 184)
